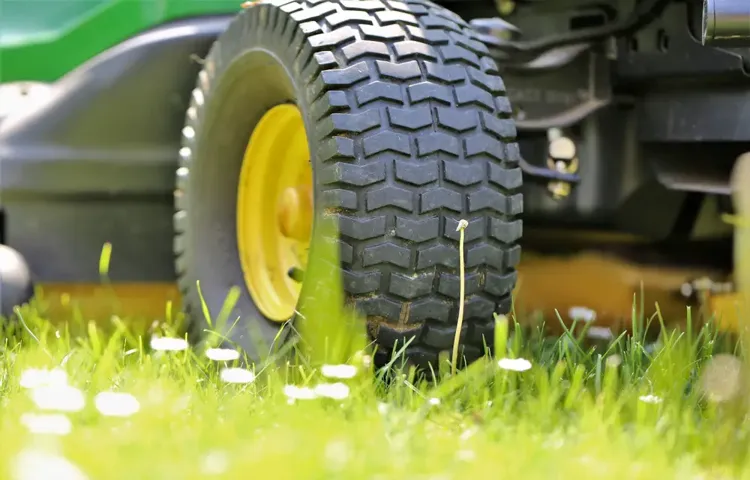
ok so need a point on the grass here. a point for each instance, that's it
(563, 407)
(622, 410)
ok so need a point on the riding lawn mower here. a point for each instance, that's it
(207, 143)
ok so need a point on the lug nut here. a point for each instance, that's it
(296, 274)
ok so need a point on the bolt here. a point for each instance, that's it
(559, 189)
(296, 274)
(295, 205)
(562, 148)
(561, 157)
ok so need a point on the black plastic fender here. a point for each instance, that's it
(92, 160)
(112, 125)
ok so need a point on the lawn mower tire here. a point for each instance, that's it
(388, 117)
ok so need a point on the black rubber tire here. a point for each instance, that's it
(409, 130)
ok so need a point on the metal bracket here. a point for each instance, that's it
(545, 175)
(561, 97)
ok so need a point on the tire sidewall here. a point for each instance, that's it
(210, 236)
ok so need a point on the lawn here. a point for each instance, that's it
(547, 408)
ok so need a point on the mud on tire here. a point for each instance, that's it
(409, 131)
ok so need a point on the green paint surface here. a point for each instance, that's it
(42, 40)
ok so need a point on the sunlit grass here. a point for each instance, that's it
(128, 405)
(100, 400)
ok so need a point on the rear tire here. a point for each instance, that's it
(409, 132)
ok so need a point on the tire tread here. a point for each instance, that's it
(413, 133)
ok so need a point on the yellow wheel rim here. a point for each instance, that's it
(274, 211)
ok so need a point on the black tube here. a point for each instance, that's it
(726, 23)
(644, 13)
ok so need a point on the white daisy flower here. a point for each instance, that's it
(582, 313)
(237, 375)
(38, 465)
(299, 393)
(62, 398)
(222, 354)
(169, 344)
(514, 364)
(336, 391)
(652, 399)
(47, 423)
(115, 404)
(339, 371)
(36, 377)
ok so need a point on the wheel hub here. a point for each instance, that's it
(274, 211)
(295, 209)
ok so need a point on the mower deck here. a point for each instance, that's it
(605, 283)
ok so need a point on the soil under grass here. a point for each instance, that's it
(622, 410)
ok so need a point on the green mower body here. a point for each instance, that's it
(43, 41)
